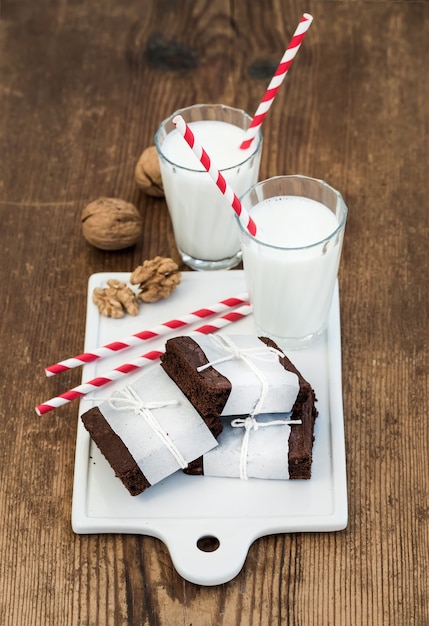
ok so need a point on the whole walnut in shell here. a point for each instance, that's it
(111, 224)
(148, 173)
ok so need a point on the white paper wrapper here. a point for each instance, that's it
(264, 456)
(183, 436)
(256, 375)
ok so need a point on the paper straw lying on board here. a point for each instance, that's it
(277, 80)
(132, 366)
(145, 335)
(215, 174)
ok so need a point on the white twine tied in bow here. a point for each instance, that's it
(263, 353)
(129, 400)
(249, 423)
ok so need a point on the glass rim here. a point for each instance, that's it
(257, 140)
(331, 235)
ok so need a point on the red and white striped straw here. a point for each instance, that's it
(277, 80)
(132, 366)
(145, 335)
(215, 174)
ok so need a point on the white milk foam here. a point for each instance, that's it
(293, 221)
(220, 139)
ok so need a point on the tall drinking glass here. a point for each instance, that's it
(291, 266)
(204, 226)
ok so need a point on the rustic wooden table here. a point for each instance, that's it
(83, 87)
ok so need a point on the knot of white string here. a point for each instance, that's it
(129, 400)
(249, 423)
(248, 355)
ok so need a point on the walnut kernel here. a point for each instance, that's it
(148, 173)
(111, 224)
(157, 278)
(115, 300)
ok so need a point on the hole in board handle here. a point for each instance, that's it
(208, 543)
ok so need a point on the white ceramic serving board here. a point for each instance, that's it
(182, 509)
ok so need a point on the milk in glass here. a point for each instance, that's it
(203, 222)
(291, 267)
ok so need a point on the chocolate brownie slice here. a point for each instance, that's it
(115, 451)
(208, 390)
(241, 374)
(301, 438)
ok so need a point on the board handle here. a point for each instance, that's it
(207, 552)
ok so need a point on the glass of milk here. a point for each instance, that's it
(291, 265)
(204, 226)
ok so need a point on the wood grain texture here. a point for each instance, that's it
(83, 88)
